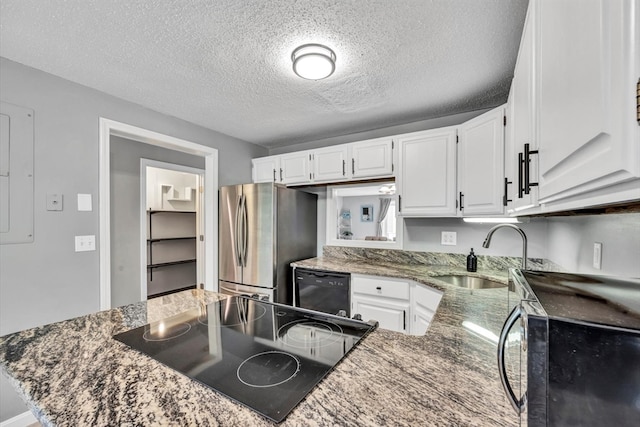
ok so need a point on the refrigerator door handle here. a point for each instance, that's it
(245, 231)
(237, 233)
(518, 404)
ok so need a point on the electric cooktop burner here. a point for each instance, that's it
(266, 356)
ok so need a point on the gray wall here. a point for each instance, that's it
(571, 242)
(438, 122)
(46, 281)
(125, 212)
(423, 234)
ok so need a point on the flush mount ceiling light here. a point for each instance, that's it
(313, 61)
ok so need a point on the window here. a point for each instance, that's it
(354, 216)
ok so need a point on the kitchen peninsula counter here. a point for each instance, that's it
(74, 373)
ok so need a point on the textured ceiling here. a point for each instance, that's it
(226, 64)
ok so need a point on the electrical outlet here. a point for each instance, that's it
(448, 238)
(597, 255)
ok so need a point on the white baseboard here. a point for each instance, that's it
(21, 420)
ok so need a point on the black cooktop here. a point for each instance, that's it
(266, 356)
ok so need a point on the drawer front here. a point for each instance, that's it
(380, 287)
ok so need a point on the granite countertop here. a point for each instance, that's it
(74, 373)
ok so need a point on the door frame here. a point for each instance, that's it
(110, 128)
(200, 215)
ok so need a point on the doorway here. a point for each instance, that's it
(171, 225)
(109, 128)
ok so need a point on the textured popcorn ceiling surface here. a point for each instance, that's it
(226, 64)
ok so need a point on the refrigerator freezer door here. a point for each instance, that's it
(259, 235)
(229, 238)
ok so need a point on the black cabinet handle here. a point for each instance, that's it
(461, 199)
(399, 203)
(280, 174)
(505, 198)
(379, 288)
(527, 160)
(274, 175)
(353, 166)
(344, 171)
(520, 168)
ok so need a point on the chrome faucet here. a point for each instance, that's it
(487, 241)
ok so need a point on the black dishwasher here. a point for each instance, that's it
(325, 291)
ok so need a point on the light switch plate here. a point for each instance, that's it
(85, 243)
(84, 202)
(54, 202)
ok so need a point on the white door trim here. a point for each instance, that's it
(110, 127)
(144, 163)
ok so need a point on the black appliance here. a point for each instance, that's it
(264, 355)
(573, 358)
(325, 291)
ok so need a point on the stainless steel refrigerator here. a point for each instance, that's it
(263, 228)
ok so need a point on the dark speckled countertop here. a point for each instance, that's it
(74, 373)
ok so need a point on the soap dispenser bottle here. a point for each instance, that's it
(472, 261)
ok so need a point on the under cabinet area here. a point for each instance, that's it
(398, 305)
(171, 251)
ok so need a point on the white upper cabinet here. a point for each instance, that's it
(587, 70)
(266, 169)
(295, 168)
(426, 177)
(372, 158)
(481, 164)
(520, 128)
(330, 164)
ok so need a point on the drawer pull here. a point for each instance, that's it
(379, 288)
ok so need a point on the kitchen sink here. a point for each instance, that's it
(471, 282)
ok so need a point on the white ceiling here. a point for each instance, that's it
(226, 64)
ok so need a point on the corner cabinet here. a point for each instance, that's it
(481, 164)
(587, 73)
(398, 305)
(426, 177)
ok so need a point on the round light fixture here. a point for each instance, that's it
(313, 61)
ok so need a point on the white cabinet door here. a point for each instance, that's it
(521, 126)
(372, 158)
(424, 305)
(383, 299)
(390, 315)
(266, 169)
(587, 71)
(481, 164)
(426, 178)
(295, 168)
(330, 164)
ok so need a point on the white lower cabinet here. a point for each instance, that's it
(397, 305)
(382, 299)
(390, 314)
(425, 302)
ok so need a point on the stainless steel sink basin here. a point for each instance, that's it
(471, 282)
